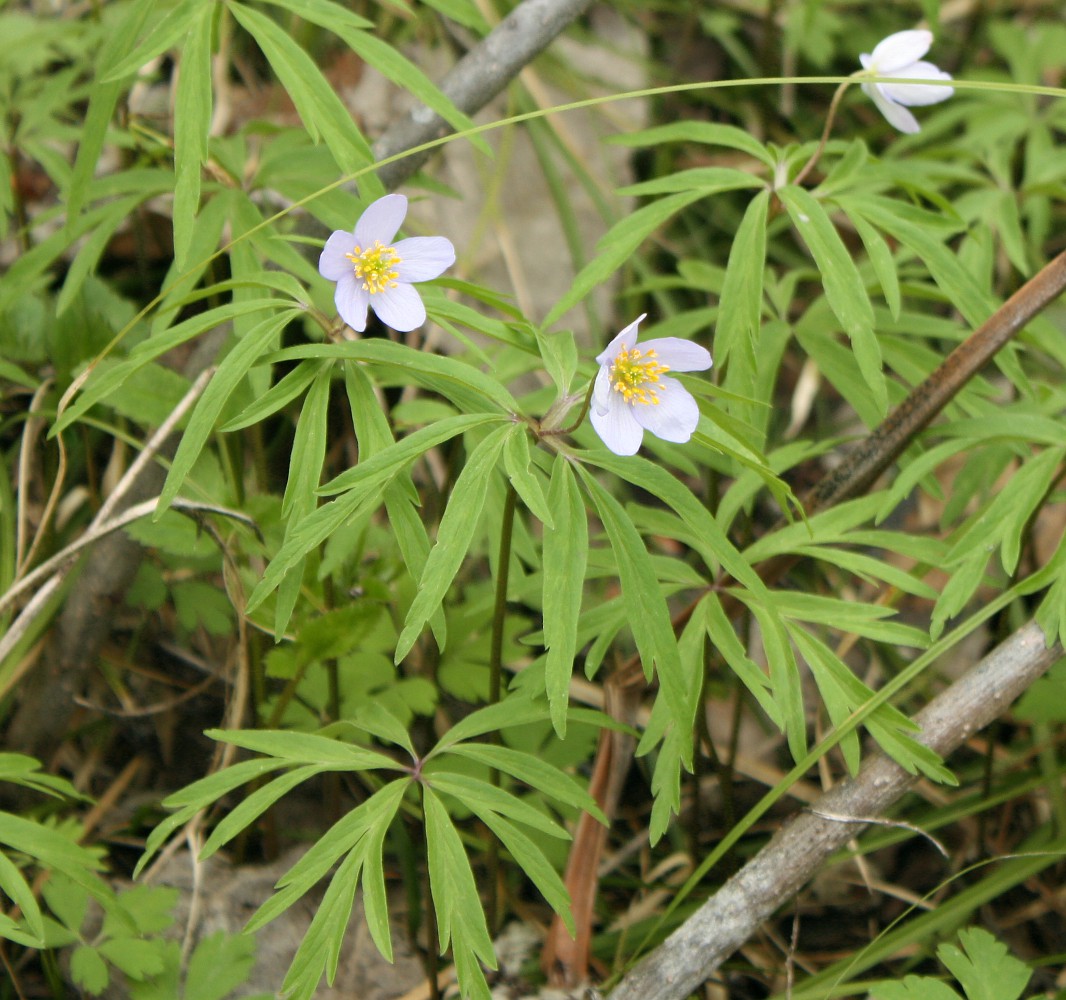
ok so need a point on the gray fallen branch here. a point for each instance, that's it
(478, 77)
(718, 928)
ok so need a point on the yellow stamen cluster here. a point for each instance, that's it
(376, 265)
(636, 376)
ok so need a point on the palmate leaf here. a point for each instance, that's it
(461, 521)
(565, 555)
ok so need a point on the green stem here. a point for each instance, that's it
(499, 619)
(829, 118)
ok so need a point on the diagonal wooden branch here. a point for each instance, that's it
(859, 470)
(478, 77)
(722, 924)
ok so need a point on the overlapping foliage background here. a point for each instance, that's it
(393, 579)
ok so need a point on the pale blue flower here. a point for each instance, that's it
(901, 55)
(373, 271)
(633, 393)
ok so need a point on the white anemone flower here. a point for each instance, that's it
(901, 55)
(633, 393)
(371, 270)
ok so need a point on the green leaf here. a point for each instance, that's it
(308, 448)
(92, 247)
(227, 377)
(138, 959)
(559, 351)
(536, 773)
(220, 963)
(89, 970)
(515, 710)
(345, 835)
(617, 246)
(98, 389)
(304, 748)
(913, 988)
(361, 484)
(985, 969)
(844, 289)
(530, 858)
(103, 97)
(164, 36)
(523, 477)
(451, 881)
(708, 133)
(565, 557)
(242, 816)
(460, 523)
(917, 230)
(648, 615)
(883, 264)
(320, 109)
(482, 796)
(18, 891)
(456, 380)
(278, 396)
(192, 123)
(706, 180)
(329, 15)
(391, 64)
(740, 304)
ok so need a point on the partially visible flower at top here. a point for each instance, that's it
(633, 393)
(901, 55)
(371, 270)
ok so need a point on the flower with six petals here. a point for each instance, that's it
(371, 270)
(901, 55)
(633, 393)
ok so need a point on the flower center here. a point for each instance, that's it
(376, 265)
(636, 376)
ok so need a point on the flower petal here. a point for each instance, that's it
(601, 391)
(333, 264)
(351, 300)
(617, 427)
(400, 307)
(381, 221)
(627, 338)
(897, 115)
(423, 257)
(676, 416)
(899, 50)
(679, 355)
(914, 94)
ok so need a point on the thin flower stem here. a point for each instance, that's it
(829, 119)
(499, 619)
(584, 411)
